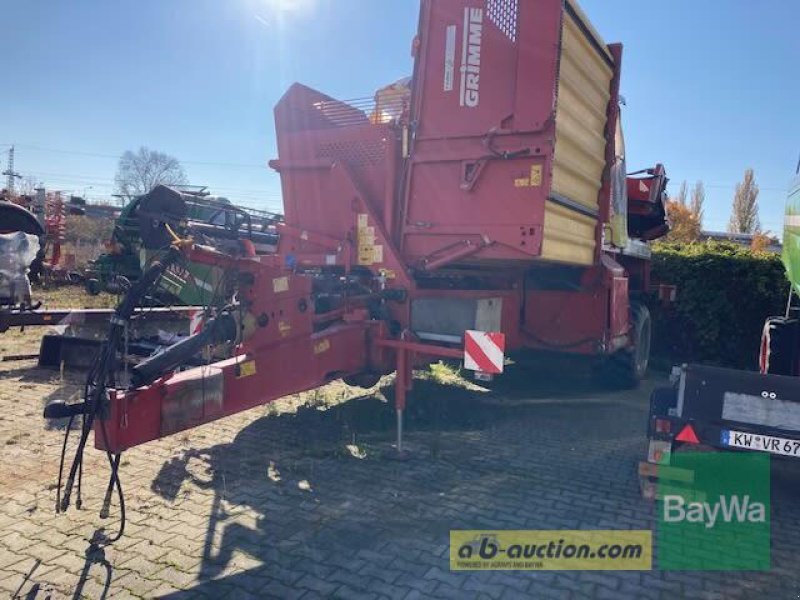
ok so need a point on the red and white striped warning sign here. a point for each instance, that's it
(484, 351)
(196, 319)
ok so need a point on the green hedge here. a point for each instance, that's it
(725, 292)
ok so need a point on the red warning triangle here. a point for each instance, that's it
(688, 435)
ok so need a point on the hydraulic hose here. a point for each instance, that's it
(102, 372)
(216, 331)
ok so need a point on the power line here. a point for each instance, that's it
(212, 189)
(117, 156)
(729, 186)
(264, 166)
(107, 181)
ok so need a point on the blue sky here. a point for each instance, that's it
(712, 87)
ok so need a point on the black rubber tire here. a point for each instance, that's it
(119, 285)
(93, 287)
(626, 368)
(362, 380)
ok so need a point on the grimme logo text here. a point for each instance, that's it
(729, 508)
(471, 57)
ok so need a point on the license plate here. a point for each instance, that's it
(760, 442)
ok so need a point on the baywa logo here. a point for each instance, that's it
(719, 518)
(729, 509)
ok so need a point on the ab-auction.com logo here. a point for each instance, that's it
(718, 519)
(486, 547)
(551, 550)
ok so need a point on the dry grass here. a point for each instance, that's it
(71, 296)
(16, 341)
(82, 252)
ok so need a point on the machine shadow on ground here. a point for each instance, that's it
(302, 472)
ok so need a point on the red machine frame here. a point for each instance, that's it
(408, 206)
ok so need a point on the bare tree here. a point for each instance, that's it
(697, 201)
(681, 197)
(27, 186)
(744, 213)
(139, 172)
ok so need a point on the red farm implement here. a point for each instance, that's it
(487, 193)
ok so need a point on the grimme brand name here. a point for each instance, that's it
(730, 509)
(471, 57)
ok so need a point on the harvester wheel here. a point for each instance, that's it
(93, 287)
(626, 368)
(119, 285)
(362, 380)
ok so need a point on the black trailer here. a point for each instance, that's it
(723, 409)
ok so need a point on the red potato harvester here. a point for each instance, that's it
(487, 193)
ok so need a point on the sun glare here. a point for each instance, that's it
(291, 6)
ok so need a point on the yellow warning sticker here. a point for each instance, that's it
(322, 346)
(365, 255)
(369, 252)
(284, 327)
(246, 369)
(535, 179)
(366, 236)
(536, 175)
(280, 284)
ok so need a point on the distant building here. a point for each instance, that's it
(742, 239)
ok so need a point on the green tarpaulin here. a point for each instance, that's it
(791, 235)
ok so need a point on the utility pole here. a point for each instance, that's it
(10, 173)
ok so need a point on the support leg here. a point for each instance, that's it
(401, 386)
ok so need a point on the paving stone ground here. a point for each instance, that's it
(300, 503)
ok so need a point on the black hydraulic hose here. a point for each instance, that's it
(104, 511)
(68, 411)
(92, 407)
(139, 289)
(79, 499)
(61, 462)
(216, 331)
(113, 481)
(104, 364)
